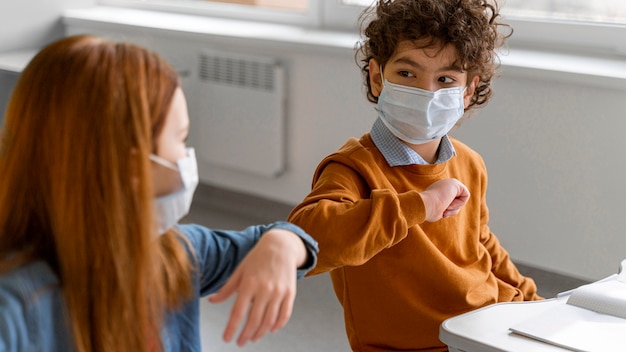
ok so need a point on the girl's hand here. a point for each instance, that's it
(265, 282)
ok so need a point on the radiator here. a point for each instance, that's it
(238, 112)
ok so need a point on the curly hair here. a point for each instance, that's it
(471, 26)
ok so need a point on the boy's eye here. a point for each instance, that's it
(405, 74)
(446, 79)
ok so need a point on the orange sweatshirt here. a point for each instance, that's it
(397, 276)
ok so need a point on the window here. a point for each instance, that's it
(296, 12)
(592, 27)
(583, 26)
(293, 5)
(580, 25)
(604, 11)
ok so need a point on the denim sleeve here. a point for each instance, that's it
(13, 329)
(218, 252)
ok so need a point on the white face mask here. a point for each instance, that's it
(174, 206)
(418, 116)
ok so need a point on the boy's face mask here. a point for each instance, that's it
(418, 116)
(172, 207)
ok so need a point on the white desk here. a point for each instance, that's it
(487, 329)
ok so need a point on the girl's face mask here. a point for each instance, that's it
(418, 116)
(172, 207)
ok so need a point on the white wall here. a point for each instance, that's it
(555, 154)
(29, 24)
(553, 147)
(324, 107)
(32, 23)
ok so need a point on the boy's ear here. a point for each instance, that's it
(376, 78)
(469, 92)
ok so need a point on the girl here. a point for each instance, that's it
(95, 175)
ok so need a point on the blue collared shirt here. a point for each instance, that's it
(32, 309)
(399, 154)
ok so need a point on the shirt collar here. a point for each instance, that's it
(399, 154)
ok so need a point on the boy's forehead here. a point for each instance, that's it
(445, 53)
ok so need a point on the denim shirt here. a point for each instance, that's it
(33, 314)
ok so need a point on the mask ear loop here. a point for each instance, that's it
(169, 178)
(168, 164)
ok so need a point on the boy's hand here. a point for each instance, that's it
(444, 198)
(265, 283)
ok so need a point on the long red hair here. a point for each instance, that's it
(77, 190)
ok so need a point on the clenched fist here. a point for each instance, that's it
(444, 198)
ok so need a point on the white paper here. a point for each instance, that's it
(593, 318)
(575, 328)
(608, 297)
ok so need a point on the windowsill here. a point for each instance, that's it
(15, 61)
(299, 37)
(595, 71)
(588, 70)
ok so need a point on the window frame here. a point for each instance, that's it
(309, 18)
(584, 38)
(587, 38)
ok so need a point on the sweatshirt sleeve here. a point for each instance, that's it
(344, 215)
(505, 270)
(218, 252)
(502, 266)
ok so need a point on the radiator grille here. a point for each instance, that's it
(239, 71)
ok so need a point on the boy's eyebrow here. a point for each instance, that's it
(452, 67)
(408, 61)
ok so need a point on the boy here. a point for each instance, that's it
(405, 244)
